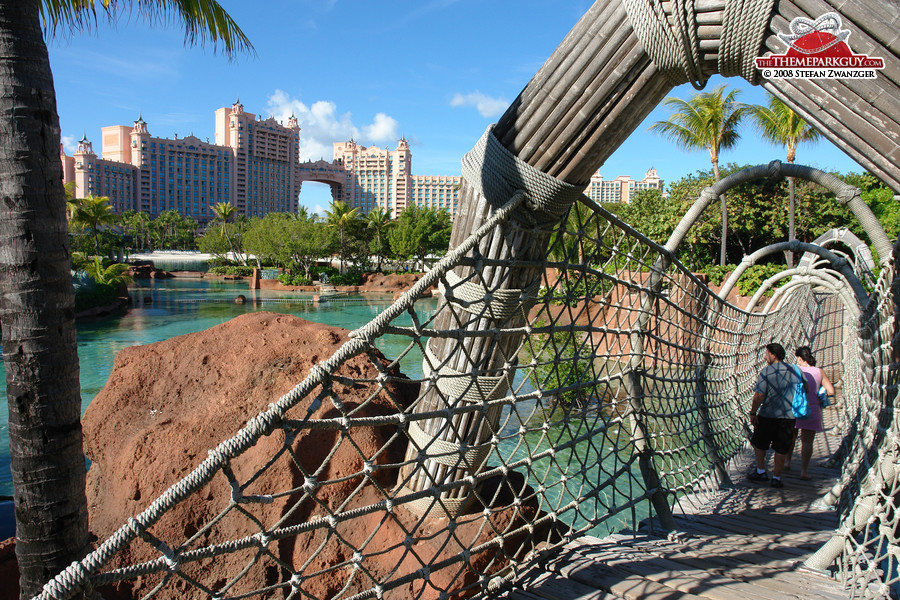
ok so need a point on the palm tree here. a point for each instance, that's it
(779, 124)
(92, 213)
(225, 212)
(113, 274)
(709, 120)
(379, 222)
(36, 294)
(339, 216)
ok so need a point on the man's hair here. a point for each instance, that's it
(776, 350)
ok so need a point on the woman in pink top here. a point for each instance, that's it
(815, 377)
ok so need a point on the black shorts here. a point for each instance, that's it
(775, 433)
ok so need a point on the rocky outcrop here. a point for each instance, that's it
(166, 404)
(144, 269)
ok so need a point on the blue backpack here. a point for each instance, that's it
(799, 406)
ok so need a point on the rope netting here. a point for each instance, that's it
(516, 418)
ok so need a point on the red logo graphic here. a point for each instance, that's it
(818, 50)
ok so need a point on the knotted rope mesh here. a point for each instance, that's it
(629, 389)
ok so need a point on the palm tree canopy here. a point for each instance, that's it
(779, 124)
(708, 120)
(202, 20)
(92, 212)
(224, 211)
(340, 214)
(377, 219)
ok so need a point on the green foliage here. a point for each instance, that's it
(656, 215)
(294, 279)
(349, 277)
(108, 273)
(563, 361)
(754, 277)
(316, 272)
(101, 294)
(716, 274)
(289, 240)
(880, 199)
(232, 271)
(419, 232)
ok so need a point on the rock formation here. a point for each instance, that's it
(166, 404)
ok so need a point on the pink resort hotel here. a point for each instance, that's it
(254, 164)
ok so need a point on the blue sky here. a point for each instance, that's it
(437, 72)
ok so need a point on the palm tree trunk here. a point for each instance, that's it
(791, 232)
(342, 249)
(36, 308)
(724, 242)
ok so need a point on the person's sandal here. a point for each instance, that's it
(777, 483)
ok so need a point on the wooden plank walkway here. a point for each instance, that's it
(748, 542)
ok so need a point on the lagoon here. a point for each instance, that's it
(166, 308)
(162, 309)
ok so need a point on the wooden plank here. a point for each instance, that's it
(690, 578)
(550, 586)
(620, 582)
(772, 576)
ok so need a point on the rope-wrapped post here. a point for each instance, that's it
(588, 97)
(493, 291)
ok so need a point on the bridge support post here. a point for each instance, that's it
(584, 102)
(641, 439)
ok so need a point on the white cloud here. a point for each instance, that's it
(70, 145)
(384, 129)
(321, 125)
(486, 106)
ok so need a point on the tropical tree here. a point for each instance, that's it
(225, 212)
(36, 292)
(779, 124)
(379, 222)
(114, 274)
(91, 213)
(339, 217)
(419, 232)
(709, 120)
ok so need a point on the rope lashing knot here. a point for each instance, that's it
(456, 385)
(498, 174)
(476, 299)
(774, 169)
(847, 194)
(673, 43)
(708, 194)
(448, 453)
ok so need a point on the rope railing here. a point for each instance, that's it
(627, 395)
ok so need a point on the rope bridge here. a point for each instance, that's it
(589, 398)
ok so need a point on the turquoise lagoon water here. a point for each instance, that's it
(167, 308)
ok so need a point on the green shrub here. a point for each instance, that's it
(755, 276)
(351, 277)
(218, 261)
(314, 272)
(716, 274)
(294, 279)
(232, 271)
(100, 294)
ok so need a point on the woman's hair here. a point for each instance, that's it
(806, 354)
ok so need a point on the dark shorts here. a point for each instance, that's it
(775, 433)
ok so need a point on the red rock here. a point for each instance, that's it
(167, 403)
